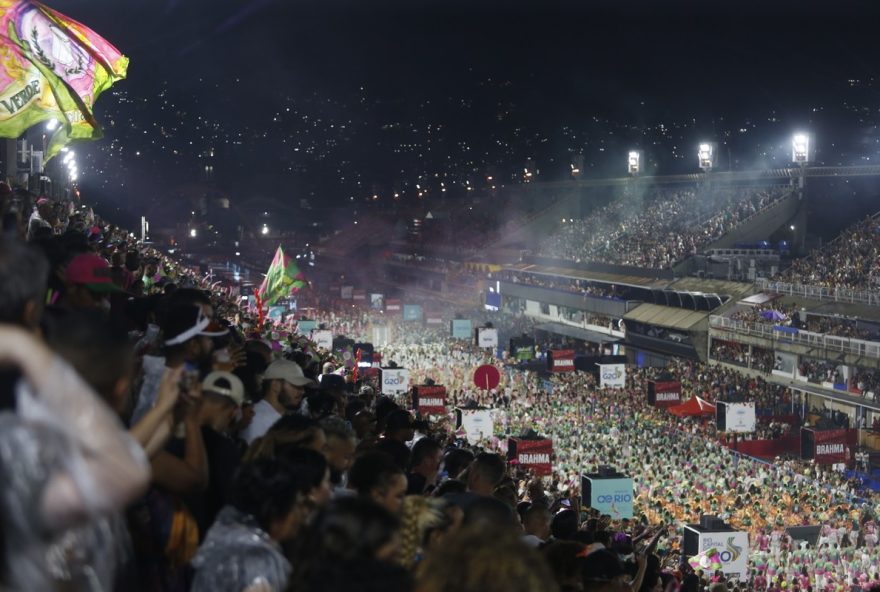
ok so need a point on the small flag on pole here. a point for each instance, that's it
(282, 280)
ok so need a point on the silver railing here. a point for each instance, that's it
(869, 297)
(783, 335)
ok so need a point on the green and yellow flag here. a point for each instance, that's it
(52, 67)
(282, 280)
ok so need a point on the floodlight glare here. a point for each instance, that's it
(800, 148)
(193, 232)
(634, 162)
(706, 156)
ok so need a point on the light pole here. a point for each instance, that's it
(706, 156)
(801, 155)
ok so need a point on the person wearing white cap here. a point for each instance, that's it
(283, 390)
(222, 396)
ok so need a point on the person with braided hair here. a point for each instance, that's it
(420, 518)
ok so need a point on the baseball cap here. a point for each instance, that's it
(185, 322)
(91, 271)
(287, 371)
(226, 384)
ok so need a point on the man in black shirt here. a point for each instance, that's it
(223, 394)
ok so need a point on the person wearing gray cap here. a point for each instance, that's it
(283, 390)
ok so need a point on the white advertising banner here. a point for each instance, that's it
(612, 375)
(733, 549)
(478, 424)
(323, 339)
(487, 338)
(740, 417)
(395, 381)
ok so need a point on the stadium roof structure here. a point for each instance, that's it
(621, 278)
(666, 316)
(577, 333)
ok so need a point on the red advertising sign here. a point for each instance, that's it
(431, 400)
(393, 306)
(830, 447)
(561, 360)
(666, 393)
(532, 454)
(487, 377)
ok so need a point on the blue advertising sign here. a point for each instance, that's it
(412, 312)
(613, 497)
(304, 327)
(461, 329)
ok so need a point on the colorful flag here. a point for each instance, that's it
(282, 280)
(52, 67)
(708, 560)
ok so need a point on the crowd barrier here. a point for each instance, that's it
(768, 449)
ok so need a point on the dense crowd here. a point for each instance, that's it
(789, 315)
(851, 261)
(659, 230)
(155, 437)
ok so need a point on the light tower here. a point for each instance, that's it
(706, 156)
(801, 155)
(634, 163)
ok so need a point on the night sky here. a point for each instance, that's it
(343, 100)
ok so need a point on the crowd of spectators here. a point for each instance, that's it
(730, 352)
(789, 315)
(850, 261)
(819, 371)
(842, 327)
(153, 437)
(659, 230)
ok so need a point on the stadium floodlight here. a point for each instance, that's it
(193, 232)
(634, 162)
(706, 155)
(800, 149)
(51, 125)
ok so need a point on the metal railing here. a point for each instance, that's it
(786, 335)
(869, 297)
